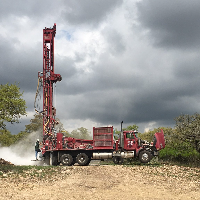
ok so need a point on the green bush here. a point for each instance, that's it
(180, 154)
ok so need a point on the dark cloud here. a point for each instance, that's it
(33, 9)
(113, 92)
(114, 75)
(88, 11)
(65, 67)
(187, 68)
(171, 24)
(115, 41)
(19, 65)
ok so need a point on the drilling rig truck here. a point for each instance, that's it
(58, 149)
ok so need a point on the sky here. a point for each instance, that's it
(135, 61)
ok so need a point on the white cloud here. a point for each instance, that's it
(111, 69)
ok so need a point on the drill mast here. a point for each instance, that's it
(48, 79)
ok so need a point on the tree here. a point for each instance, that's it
(84, 133)
(20, 136)
(75, 134)
(116, 133)
(81, 133)
(168, 132)
(6, 138)
(36, 124)
(129, 128)
(188, 129)
(60, 128)
(12, 106)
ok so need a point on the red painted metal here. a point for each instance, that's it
(103, 138)
(160, 140)
(59, 142)
(103, 144)
(130, 140)
(49, 78)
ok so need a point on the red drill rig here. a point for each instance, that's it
(66, 150)
(48, 78)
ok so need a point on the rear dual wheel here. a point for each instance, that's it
(83, 159)
(67, 159)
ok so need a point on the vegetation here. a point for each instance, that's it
(182, 141)
(133, 127)
(81, 133)
(188, 129)
(6, 138)
(128, 128)
(27, 171)
(35, 125)
(12, 106)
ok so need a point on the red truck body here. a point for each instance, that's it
(67, 150)
(102, 139)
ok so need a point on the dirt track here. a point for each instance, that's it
(106, 182)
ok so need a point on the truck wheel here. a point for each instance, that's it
(82, 159)
(145, 156)
(118, 160)
(66, 159)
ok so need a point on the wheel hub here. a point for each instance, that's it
(82, 159)
(66, 160)
(145, 156)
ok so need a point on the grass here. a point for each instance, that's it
(155, 162)
(49, 171)
(132, 162)
(25, 171)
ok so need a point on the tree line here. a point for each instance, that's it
(182, 141)
(13, 107)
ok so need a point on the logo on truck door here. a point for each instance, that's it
(130, 142)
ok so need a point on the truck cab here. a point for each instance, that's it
(130, 140)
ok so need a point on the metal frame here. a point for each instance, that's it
(49, 78)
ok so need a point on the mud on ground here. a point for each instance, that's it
(4, 162)
(104, 182)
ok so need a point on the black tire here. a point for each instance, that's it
(145, 156)
(82, 159)
(47, 158)
(66, 159)
(118, 160)
(55, 159)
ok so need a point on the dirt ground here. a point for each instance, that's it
(105, 182)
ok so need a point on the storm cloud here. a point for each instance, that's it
(136, 61)
(171, 24)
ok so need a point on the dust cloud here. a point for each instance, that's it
(23, 152)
